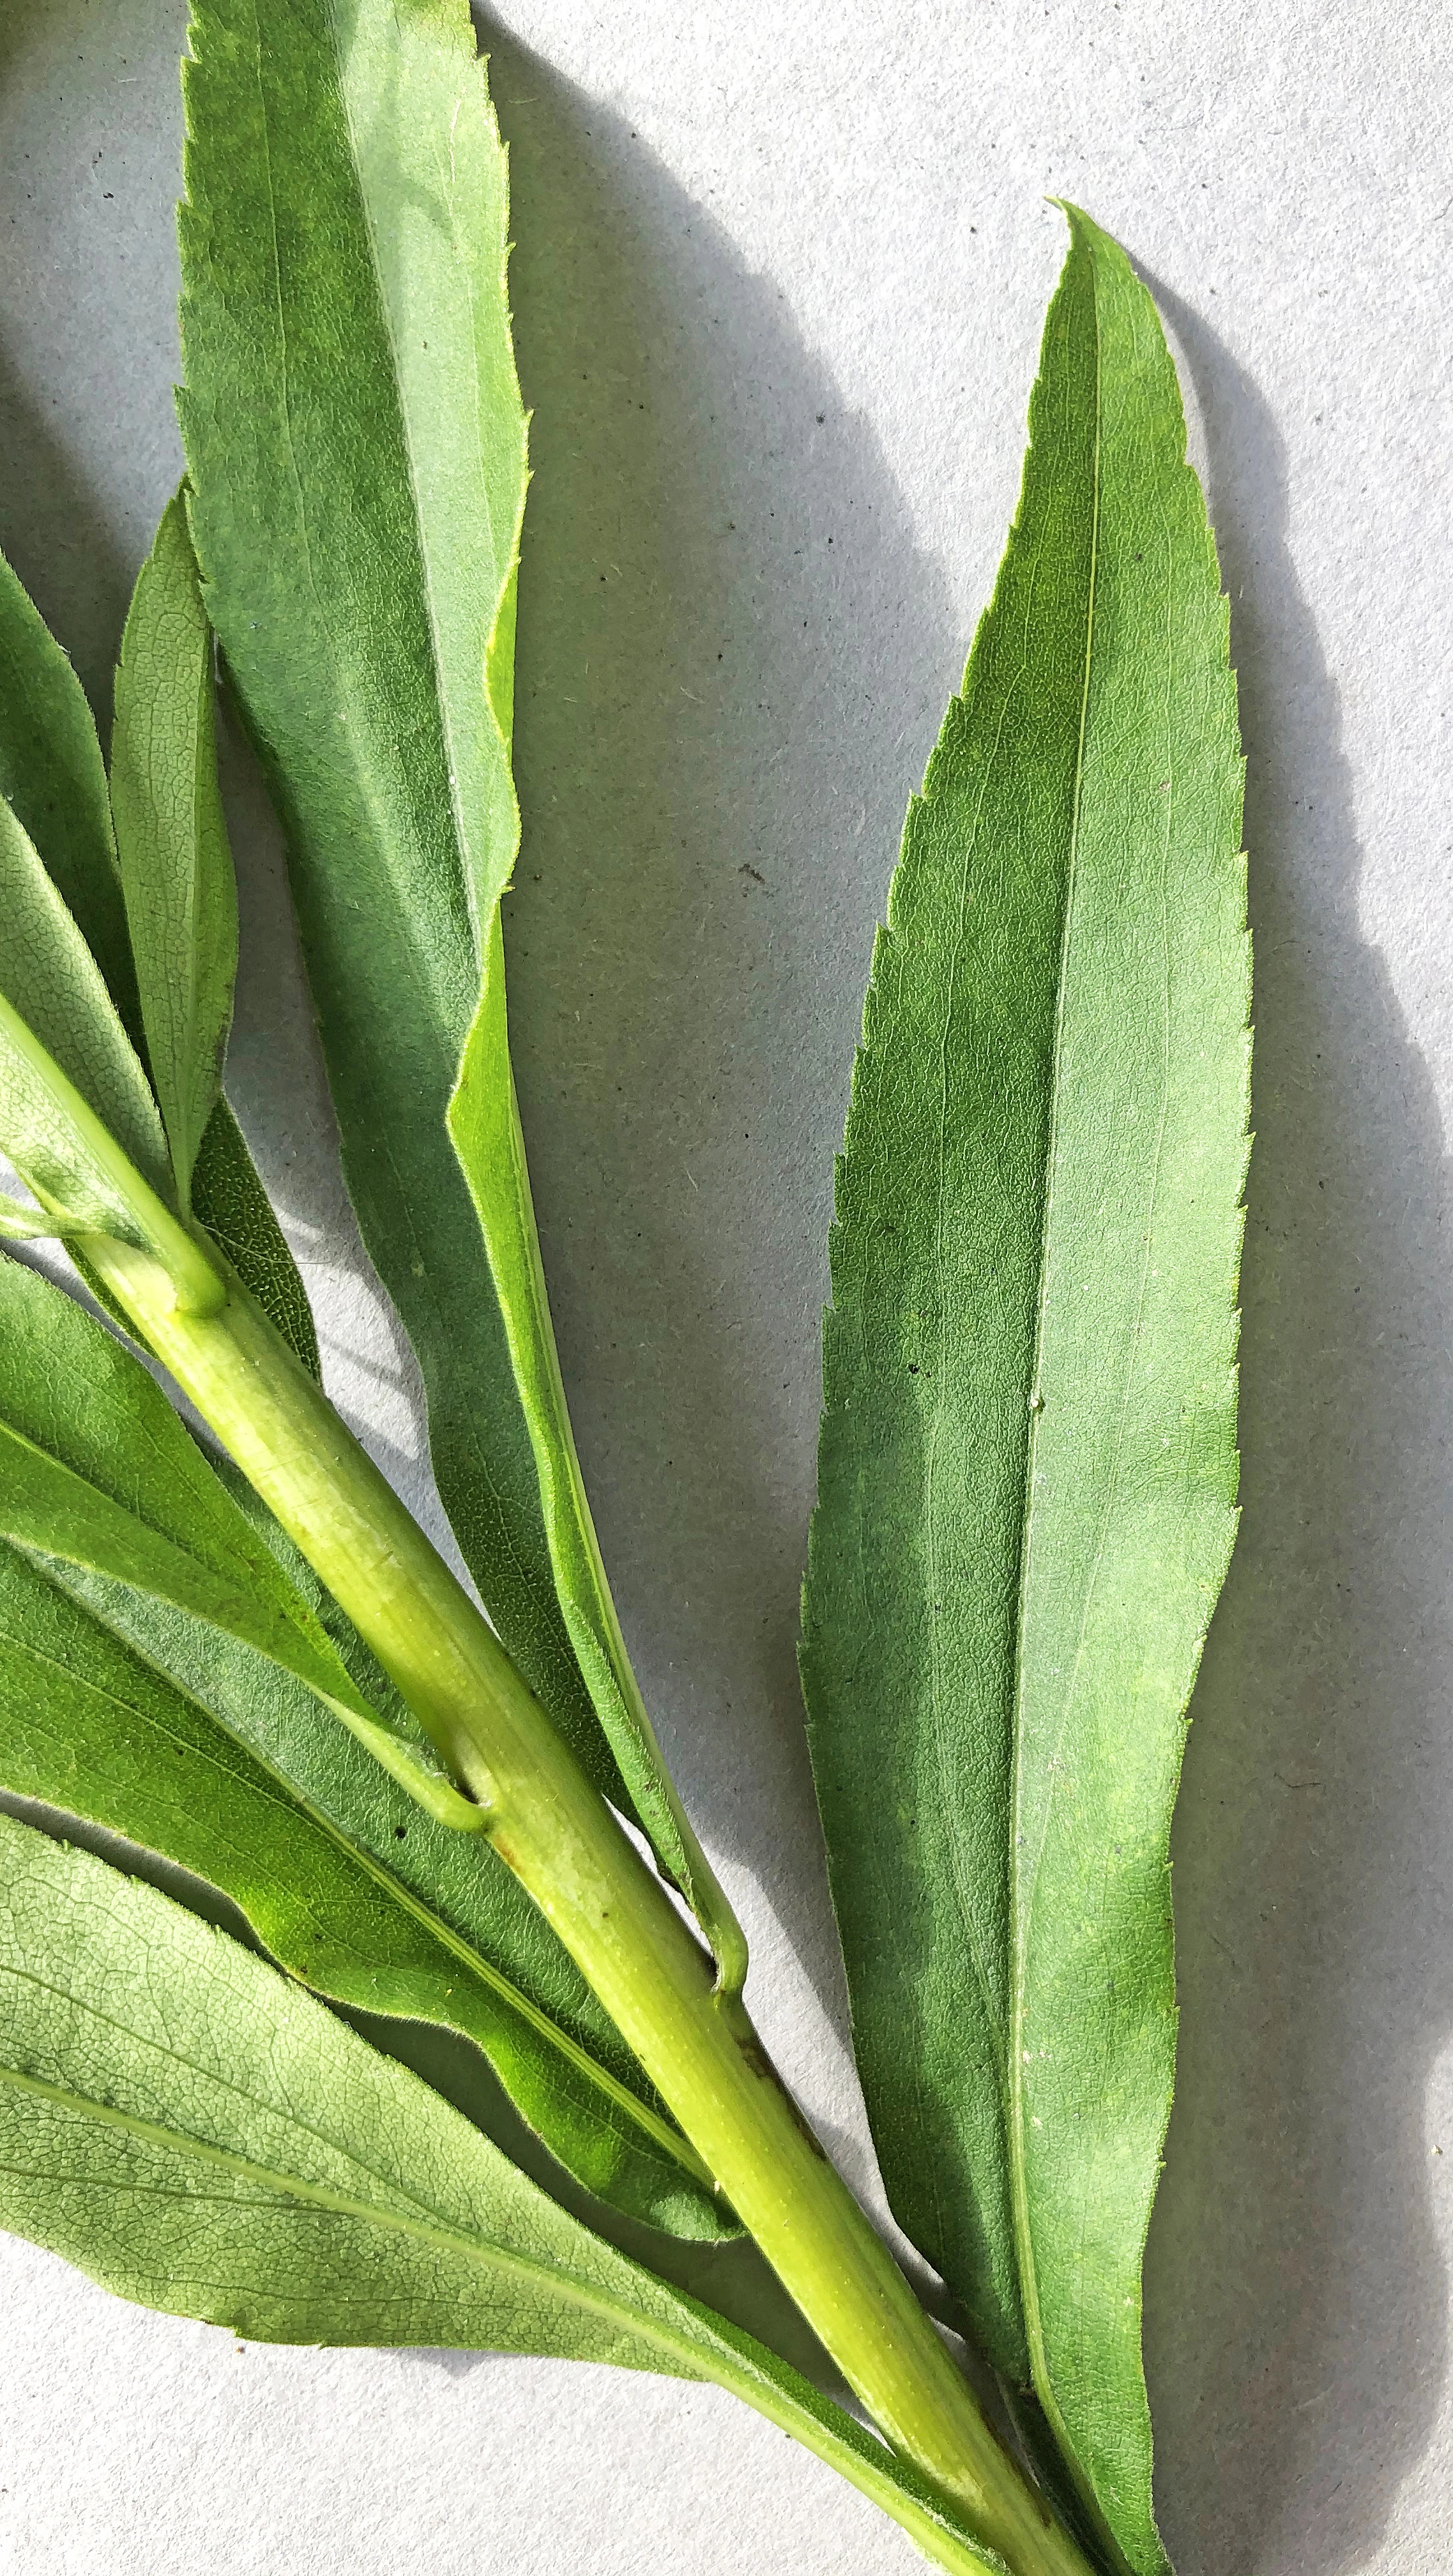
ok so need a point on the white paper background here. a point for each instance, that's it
(780, 280)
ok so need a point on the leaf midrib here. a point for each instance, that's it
(280, 2185)
(1020, 1900)
(998, 2040)
(192, 995)
(1022, 1896)
(681, 2356)
(426, 576)
(599, 2077)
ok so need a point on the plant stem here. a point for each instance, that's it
(613, 1914)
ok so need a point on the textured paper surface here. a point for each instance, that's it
(780, 281)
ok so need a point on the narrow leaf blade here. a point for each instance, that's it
(228, 1198)
(343, 251)
(176, 867)
(202, 2137)
(120, 1712)
(360, 562)
(215, 2064)
(1028, 1463)
(484, 1122)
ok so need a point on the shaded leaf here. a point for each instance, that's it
(229, 1200)
(203, 2137)
(484, 1121)
(176, 867)
(1028, 1463)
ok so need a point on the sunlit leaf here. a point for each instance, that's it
(201, 2136)
(1028, 1463)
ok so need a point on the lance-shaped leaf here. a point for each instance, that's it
(356, 448)
(97, 1469)
(123, 1712)
(53, 776)
(202, 2137)
(1028, 1462)
(176, 867)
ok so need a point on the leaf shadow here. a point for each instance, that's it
(718, 569)
(724, 616)
(701, 876)
(57, 537)
(1295, 2295)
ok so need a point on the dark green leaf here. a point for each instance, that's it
(1028, 1463)
(484, 1121)
(355, 548)
(356, 445)
(176, 867)
(201, 2136)
(230, 1201)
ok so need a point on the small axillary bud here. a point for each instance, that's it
(198, 1287)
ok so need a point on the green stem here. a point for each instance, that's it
(612, 1913)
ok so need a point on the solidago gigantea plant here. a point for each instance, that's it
(248, 1659)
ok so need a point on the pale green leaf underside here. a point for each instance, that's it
(201, 2136)
(1028, 1464)
(126, 1714)
(176, 867)
(359, 540)
(139, 1550)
